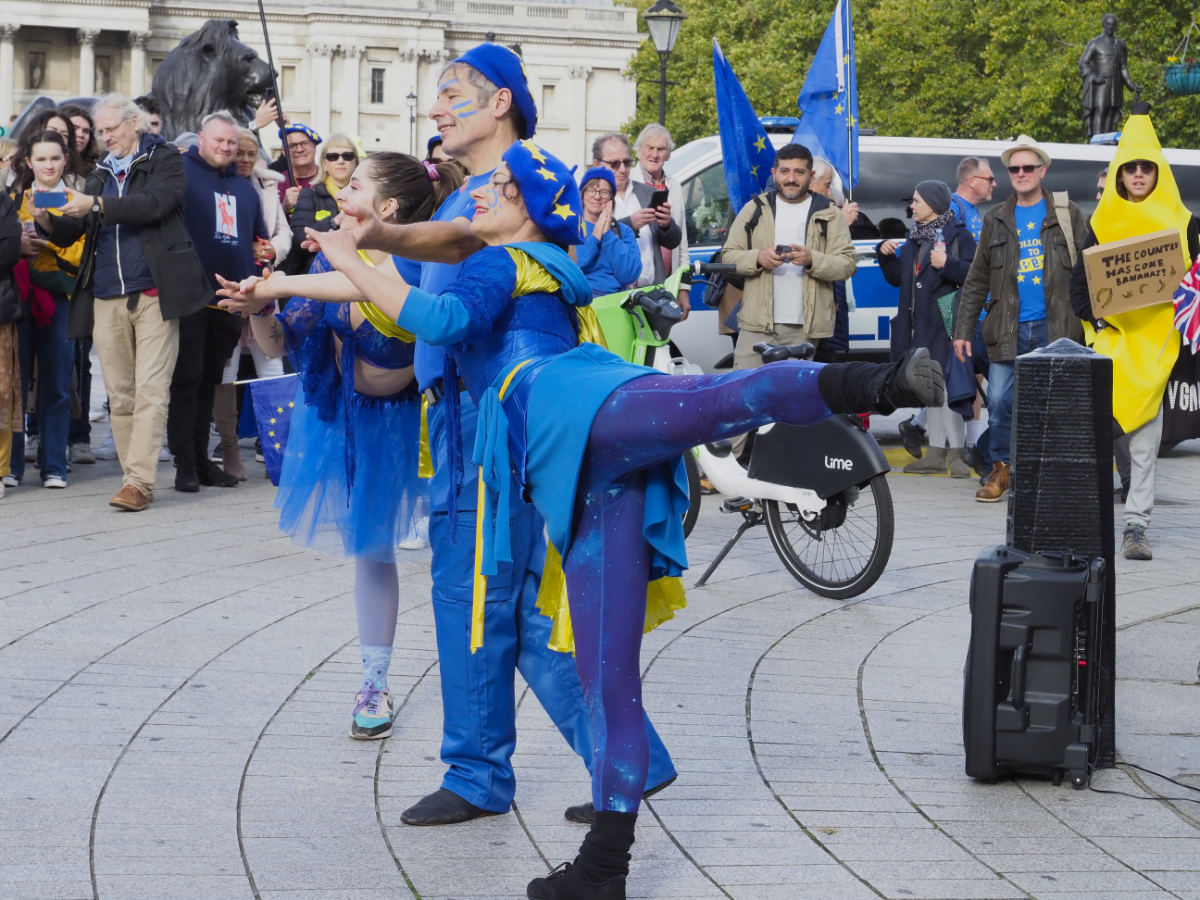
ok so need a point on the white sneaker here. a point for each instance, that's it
(31, 447)
(10, 481)
(106, 449)
(54, 481)
(2, 489)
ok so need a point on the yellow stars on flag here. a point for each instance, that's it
(279, 409)
(754, 171)
(546, 173)
(534, 150)
(839, 109)
(291, 404)
(760, 144)
(273, 420)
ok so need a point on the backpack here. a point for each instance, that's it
(715, 284)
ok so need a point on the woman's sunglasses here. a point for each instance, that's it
(348, 156)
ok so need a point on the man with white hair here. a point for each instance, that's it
(136, 281)
(653, 147)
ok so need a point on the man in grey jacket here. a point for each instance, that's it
(1022, 271)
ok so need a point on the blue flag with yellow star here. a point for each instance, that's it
(829, 99)
(274, 399)
(747, 151)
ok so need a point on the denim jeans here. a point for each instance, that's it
(54, 354)
(1030, 336)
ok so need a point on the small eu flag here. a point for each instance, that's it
(747, 151)
(274, 399)
(829, 99)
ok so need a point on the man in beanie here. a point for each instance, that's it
(483, 106)
(1026, 250)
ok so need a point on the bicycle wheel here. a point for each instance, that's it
(841, 551)
(693, 477)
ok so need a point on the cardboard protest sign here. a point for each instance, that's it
(1134, 272)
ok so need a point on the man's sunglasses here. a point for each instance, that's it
(1027, 170)
(1139, 165)
(348, 156)
(615, 164)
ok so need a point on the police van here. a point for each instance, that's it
(889, 169)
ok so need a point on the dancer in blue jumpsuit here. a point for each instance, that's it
(596, 443)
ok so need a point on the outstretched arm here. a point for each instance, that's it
(386, 289)
(445, 242)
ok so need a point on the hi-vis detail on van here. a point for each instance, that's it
(889, 169)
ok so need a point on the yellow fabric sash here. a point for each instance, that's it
(424, 457)
(480, 587)
(378, 319)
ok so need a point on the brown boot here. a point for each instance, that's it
(932, 463)
(225, 416)
(996, 485)
(958, 467)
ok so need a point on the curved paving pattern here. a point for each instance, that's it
(175, 688)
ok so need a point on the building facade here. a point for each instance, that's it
(369, 70)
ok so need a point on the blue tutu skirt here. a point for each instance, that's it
(318, 506)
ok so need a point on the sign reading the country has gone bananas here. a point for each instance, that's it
(1134, 272)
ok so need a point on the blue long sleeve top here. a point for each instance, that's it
(610, 263)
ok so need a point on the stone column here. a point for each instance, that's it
(321, 77)
(351, 85)
(137, 62)
(8, 70)
(87, 60)
(578, 108)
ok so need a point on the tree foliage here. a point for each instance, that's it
(926, 68)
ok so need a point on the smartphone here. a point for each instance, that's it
(49, 199)
(783, 249)
(658, 198)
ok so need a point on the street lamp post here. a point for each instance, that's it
(412, 122)
(664, 19)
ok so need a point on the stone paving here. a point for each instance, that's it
(176, 685)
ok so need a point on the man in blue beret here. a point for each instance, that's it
(483, 106)
(300, 144)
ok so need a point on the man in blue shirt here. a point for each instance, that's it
(483, 107)
(1023, 263)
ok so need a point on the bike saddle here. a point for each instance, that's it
(775, 352)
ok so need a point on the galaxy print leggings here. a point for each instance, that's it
(644, 422)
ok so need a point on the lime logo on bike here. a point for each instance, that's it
(838, 462)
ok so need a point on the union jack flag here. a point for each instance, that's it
(1187, 306)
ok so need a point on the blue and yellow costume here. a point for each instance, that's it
(349, 480)
(479, 727)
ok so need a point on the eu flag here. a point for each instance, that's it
(274, 399)
(829, 99)
(747, 151)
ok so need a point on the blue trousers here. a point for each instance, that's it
(478, 694)
(47, 345)
(1030, 336)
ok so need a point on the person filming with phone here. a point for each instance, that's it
(46, 281)
(791, 245)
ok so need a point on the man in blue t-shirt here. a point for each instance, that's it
(483, 107)
(1023, 263)
(975, 186)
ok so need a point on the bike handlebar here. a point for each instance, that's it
(703, 268)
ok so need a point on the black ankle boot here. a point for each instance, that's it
(599, 870)
(912, 381)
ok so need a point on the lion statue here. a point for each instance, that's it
(209, 70)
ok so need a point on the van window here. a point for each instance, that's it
(706, 199)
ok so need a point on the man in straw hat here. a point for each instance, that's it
(1026, 250)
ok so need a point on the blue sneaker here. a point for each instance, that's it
(372, 715)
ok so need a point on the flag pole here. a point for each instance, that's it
(849, 105)
(287, 157)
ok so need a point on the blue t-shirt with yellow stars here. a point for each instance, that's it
(1029, 266)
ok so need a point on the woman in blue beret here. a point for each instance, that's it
(597, 445)
(609, 255)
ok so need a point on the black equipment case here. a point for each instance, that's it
(1031, 684)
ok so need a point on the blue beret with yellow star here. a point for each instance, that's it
(549, 191)
(503, 68)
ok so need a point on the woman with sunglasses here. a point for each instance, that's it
(609, 256)
(317, 206)
(597, 444)
(1140, 197)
